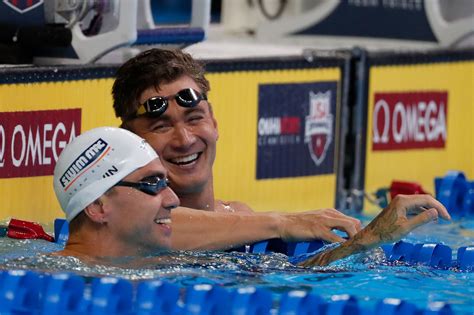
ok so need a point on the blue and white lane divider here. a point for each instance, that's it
(456, 193)
(429, 254)
(434, 255)
(27, 292)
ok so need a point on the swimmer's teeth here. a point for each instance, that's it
(185, 159)
(163, 221)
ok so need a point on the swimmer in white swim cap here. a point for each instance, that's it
(113, 189)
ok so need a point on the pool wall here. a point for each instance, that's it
(419, 114)
(296, 133)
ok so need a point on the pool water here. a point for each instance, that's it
(368, 277)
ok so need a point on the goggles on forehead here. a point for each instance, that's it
(151, 187)
(157, 105)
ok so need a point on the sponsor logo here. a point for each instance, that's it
(23, 6)
(295, 129)
(86, 159)
(409, 120)
(30, 142)
(319, 125)
(279, 130)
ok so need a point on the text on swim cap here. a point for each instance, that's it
(110, 172)
(86, 159)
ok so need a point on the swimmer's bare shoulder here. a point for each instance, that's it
(72, 253)
(232, 206)
(134, 262)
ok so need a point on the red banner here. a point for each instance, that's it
(30, 142)
(409, 120)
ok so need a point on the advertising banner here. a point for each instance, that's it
(420, 123)
(30, 142)
(296, 129)
(409, 120)
(37, 120)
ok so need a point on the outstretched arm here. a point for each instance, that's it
(389, 226)
(206, 230)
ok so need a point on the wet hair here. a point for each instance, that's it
(150, 68)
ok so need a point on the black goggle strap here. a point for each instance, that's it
(184, 98)
(146, 187)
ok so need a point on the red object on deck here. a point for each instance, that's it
(27, 230)
(405, 188)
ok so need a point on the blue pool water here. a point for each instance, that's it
(368, 277)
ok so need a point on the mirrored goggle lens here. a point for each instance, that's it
(150, 188)
(154, 188)
(156, 105)
(189, 97)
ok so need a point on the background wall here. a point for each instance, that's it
(43, 108)
(438, 96)
(288, 126)
(27, 189)
(235, 96)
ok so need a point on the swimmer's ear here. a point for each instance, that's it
(95, 211)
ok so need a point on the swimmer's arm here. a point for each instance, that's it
(206, 230)
(231, 206)
(346, 249)
(241, 207)
(389, 226)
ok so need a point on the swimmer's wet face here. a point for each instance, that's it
(114, 220)
(185, 138)
(138, 219)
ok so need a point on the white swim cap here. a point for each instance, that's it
(94, 162)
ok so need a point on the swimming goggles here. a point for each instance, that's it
(157, 105)
(152, 187)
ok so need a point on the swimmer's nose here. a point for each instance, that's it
(183, 137)
(170, 200)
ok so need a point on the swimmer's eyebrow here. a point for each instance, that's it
(196, 109)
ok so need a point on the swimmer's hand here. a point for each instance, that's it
(317, 224)
(389, 226)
